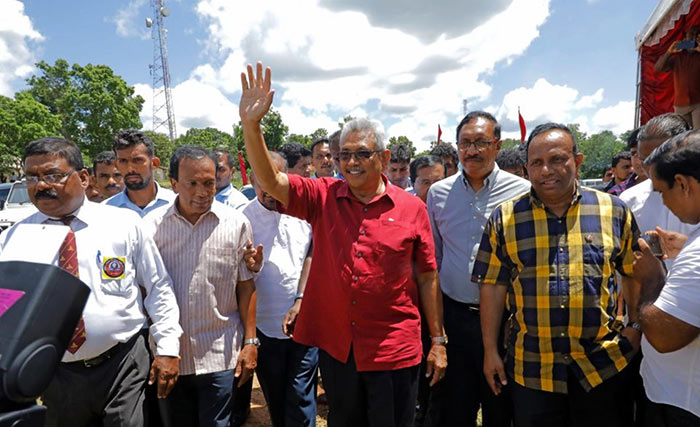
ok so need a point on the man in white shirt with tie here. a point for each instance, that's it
(103, 375)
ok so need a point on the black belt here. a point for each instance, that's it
(98, 360)
(463, 305)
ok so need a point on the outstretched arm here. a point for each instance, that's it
(255, 103)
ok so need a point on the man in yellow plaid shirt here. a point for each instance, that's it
(550, 257)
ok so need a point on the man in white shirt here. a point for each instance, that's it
(669, 306)
(136, 161)
(286, 370)
(225, 192)
(203, 242)
(103, 375)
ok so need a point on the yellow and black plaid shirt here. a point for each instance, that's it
(562, 293)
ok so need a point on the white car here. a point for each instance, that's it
(17, 206)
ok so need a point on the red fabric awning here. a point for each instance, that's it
(656, 89)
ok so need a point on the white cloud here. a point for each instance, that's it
(618, 118)
(129, 22)
(327, 59)
(16, 34)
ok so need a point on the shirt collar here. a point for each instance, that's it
(225, 190)
(216, 209)
(534, 199)
(389, 191)
(125, 200)
(489, 182)
(82, 213)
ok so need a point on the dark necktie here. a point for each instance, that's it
(68, 260)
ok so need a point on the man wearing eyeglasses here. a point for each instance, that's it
(103, 374)
(459, 207)
(373, 271)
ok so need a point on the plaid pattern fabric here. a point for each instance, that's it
(630, 182)
(562, 293)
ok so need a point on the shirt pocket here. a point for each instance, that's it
(394, 249)
(116, 276)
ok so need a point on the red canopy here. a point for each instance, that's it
(667, 24)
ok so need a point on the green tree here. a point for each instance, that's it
(510, 143)
(162, 145)
(402, 140)
(318, 133)
(210, 138)
(598, 150)
(92, 102)
(304, 140)
(345, 120)
(274, 129)
(22, 119)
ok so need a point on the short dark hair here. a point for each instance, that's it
(423, 162)
(399, 154)
(129, 137)
(680, 155)
(445, 150)
(58, 146)
(293, 152)
(191, 152)
(624, 155)
(510, 158)
(224, 152)
(317, 141)
(632, 140)
(105, 157)
(484, 115)
(663, 126)
(547, 127)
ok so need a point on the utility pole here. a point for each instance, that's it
(163, 112)
(464, 106)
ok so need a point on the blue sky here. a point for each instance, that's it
(402, 62)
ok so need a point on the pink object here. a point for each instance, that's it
(8, 298)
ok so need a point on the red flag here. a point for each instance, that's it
(244, 177)
(439, 134)
(523, 130)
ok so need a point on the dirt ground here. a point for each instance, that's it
(259, 416)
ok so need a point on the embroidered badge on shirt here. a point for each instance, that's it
(113, 267)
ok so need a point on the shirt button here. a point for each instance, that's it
(561, 249)
(472, 258)
(359, 254)
(362, 232)
(563, 334)
(352, 323)
(354, 302)
(365, 210)
(562, 306)
(355, 278)
(473, 237)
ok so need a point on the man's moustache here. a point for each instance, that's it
(46, 194)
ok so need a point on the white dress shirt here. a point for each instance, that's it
(286, 242)
(232, 197)
(163, 197)
(674, 378)
(114, 311)
(205, 261)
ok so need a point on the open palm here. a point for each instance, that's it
(257, 96)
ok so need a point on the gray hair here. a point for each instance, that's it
(364, 125)
(663, 126)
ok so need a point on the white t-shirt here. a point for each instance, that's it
(674, 378)
(649, 211)
(285, 241)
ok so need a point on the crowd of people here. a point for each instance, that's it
(423, 290)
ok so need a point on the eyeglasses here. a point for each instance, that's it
(479, 145)
(51, 179)
(360, 155)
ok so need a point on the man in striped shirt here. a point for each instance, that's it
(203, 243)
(553, 253)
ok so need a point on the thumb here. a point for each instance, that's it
(259, 253)
(249, 245)
(501, 374)
(664, 234)
(429, 368)
(643, 246)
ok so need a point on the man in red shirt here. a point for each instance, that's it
(373, 265)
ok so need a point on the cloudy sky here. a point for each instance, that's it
(408, 63)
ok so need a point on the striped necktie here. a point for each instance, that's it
(68, 260)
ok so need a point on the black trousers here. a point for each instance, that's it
(603, 406)
(662, 415)
(110, 394)
(455, 400)
(376, 398)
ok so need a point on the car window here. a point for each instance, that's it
(4, 192)
(19, 194)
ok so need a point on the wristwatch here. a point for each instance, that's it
(255, 341)
(442, 340)
(635, 325)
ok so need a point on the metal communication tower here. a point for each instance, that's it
(163, 112)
